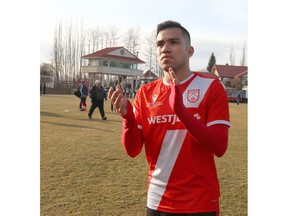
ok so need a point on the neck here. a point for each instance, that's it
(181, 75)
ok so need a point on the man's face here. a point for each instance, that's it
(172, 50)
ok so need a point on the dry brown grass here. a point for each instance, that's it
(84, 170)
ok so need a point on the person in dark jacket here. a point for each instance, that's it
(97, 94)
(44, 89)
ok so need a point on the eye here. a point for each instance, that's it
(174, 41)
(159, 43)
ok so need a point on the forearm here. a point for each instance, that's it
(131, 135)
(213, 138)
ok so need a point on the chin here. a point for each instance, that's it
(166, 67)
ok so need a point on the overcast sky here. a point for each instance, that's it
(215, 26)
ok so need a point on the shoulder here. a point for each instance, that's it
(151, 85)
(209, 77)
(152, 88)
(206, 75)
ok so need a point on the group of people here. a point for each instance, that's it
(97, 95)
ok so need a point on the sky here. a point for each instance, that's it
(215, 26)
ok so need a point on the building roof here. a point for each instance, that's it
(230, 71)
(114, 54)
(206, 74)
(149, 73)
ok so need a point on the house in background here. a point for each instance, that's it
(234, 78)
(112, 65)
(148, 76)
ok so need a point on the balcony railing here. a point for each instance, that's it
(111, 71)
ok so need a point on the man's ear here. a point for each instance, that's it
(191, 51)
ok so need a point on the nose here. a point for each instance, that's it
(166, 48)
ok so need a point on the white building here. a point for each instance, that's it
(110, 65)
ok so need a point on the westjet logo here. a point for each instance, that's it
(172, 118)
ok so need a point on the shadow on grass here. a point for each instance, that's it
(68, 125)
(50, 114)
(100, 121)
(77, 126)
(96, 118)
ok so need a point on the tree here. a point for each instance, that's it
(132, 40)
(150, 54)
(46, 69)
(211, 63)
(150, 50)
(232, 56)
(243, 60)
(81, 48)
(68, 48)
(111, 36)
(236, 82)
(46, 72)
(71, 43)
(94, 39)
(58, 52)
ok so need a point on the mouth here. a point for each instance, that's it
(166, 57)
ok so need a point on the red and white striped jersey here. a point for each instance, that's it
(182, 174)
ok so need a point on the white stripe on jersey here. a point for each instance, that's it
(218, 122)
(170, 149)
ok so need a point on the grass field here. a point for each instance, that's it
(84, 170)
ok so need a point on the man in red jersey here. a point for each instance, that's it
(182, 120)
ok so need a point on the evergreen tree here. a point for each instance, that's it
(211, 63)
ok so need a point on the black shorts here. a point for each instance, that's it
(151, 212)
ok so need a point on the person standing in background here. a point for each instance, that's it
(44, 89)
(238, 97)
(97, 94)
(84, 92)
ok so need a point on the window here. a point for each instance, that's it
(120, 64)
(103, 63)
(114, 64)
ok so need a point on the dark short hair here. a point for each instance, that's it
(173, 24)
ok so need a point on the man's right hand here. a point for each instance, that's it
(118, 100)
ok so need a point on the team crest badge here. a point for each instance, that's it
(193, 95)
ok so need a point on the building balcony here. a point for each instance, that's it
(111, 71)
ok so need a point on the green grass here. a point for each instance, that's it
(85, 171)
